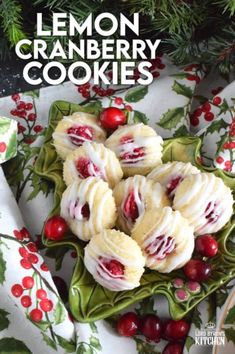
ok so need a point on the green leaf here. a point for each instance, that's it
(4, 125)
(94, 342)
(68, 345)
(143, 347)
(43, 325)
(230, 318)
(93, 107)
(216, 126)
(11, 147)
(4, 321)
(230, 334)
(139, 117)
(182, 89)
(49, 341)
(224, 106)
(146, 306)
(196, 320)
(81, 349)
(11, 345)
(34, 93)
(180, 75)
(93, 327)
(57, 253)
(181, 131)
(59, 313)
(171, 118)
(222, 293)
(136, 94)
(221, 142)
(2, 268)
(189, 342)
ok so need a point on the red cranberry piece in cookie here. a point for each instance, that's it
(132, 153)
(172, 185)
(210, 213)
(126, 139)
(86, 211)
(87, 168)
(113, 267)
(161, 247)
(130, 207)
(79, 134)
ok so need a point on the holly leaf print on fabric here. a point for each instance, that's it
(182, 89)
(34, 93)
(93, 327)
(196, 320)
(143, 347)
(13, 346)
(139, 117)
(11, 147)
(95, 343)
(189, 342)
(93, 107)
(68, 345)
(171, 118)
(136, 94)
(230, 319)
(59, 313)
(49, 341)
(216, 126)
(181, 131)
(230, 334)
(4, 321)
(2, 268)
(4, 125)
(146, 306)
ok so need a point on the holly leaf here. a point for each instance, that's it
(222, 294)
(43, 325)
(81, 349)
(95, 343)
(139, 117)
(13, 346)
(181, 131)
(93, 327)
(221, 142)
(11, 147)
(136, 94)
(146, 306)
(230, 318)
(49, 341)
(93, 107)
(59, 313)
(171, 118)
(68, 345)
(196, 320)
(2, 268)
(4, 125)
(189, 342)
(224, 106)
(143, 347)
(216, 126)
(34, 93)
(57, 253)
(182, 89)
(4, 321)
(230, 334)
(180, 75)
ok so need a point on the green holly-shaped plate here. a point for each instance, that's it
(88, 300)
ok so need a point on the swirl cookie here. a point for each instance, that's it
(72, 131)
(166, 239)
(114, 260)
(205, 201)
(92, 159)
(138, 148)
(171, 174)
(134, 196)
(88, 207)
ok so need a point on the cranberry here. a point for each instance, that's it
(112, 117)
(32, 247)
(197, 270)
(171, 186)
(82, 133)
(150, 327)
(156, 74)
(36, 315)
(209, 116)
(109, 92)
(44, 267)
(85, 211)
(118, 101)
(61, 287)
(3, 147)
(114, 267)
(86, 168)
(25, 263)
(21, 129)
(46, 305)
(15, 97)
(41, 294)
(25, 233)
(219, 159)
(21, 105)
(13, 112)
(17, 290)
(130, 208)
(26, 301)
(128, 108)
(23, 252)
(206, 245)
(160, 247)
(206, 107)
(55, 228)
(134, 154)
(28, 106)
(31, 117)
(194, 121)
(21, 114)
(38, 128)
(86, 94)
(173, 348)
(28, 282)
(197, 112)
(174, 330)
(33, 258)
(217, 100)
(127, 324)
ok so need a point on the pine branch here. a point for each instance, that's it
(227, 6)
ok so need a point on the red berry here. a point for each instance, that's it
(38, 128)
(173, 348)
(21, 129)
(156, 74)
(55, 228)
(21, 114)
(112, 117)
(206, 245)
(26, 301)
(191, 77)
(128, 108)
(209, 116)
(25, 233)
(3, 147)
(86, 94)
(33, 258)
(194, 121)
(41, 294)
(174, 330)
(110, 92)
(197, 112)
(25, 263)
(219, 159)
(21, 105)
(17, 290)
(28, 282)
(118, 101)
(206, 107)
(36, 315)
(73, 254)
(113, 267)
(13, 112)
(32, 247)
(61, 287)
(15, 97)
(197, 270)
(31, 117)
(127, 324)
(18, 235)
(28, 106)
(44, 267)
(46, 305)
(228, 164)
(150, 327)
(217, 100)
(23, 252)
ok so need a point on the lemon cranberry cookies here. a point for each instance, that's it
(114, 260)
(166, 239)
(134, 196)
(72, 131)
(205, 201)
(92, 159)
(138, 148)
(88, 207)
(170, 175)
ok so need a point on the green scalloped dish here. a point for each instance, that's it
(89, 301)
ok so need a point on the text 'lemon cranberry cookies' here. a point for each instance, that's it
(166, 239)
(72, 131)
(205, 201)
(114, 260)
(88, 207)
(138, 148)
(92, 159)
(134, 196)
